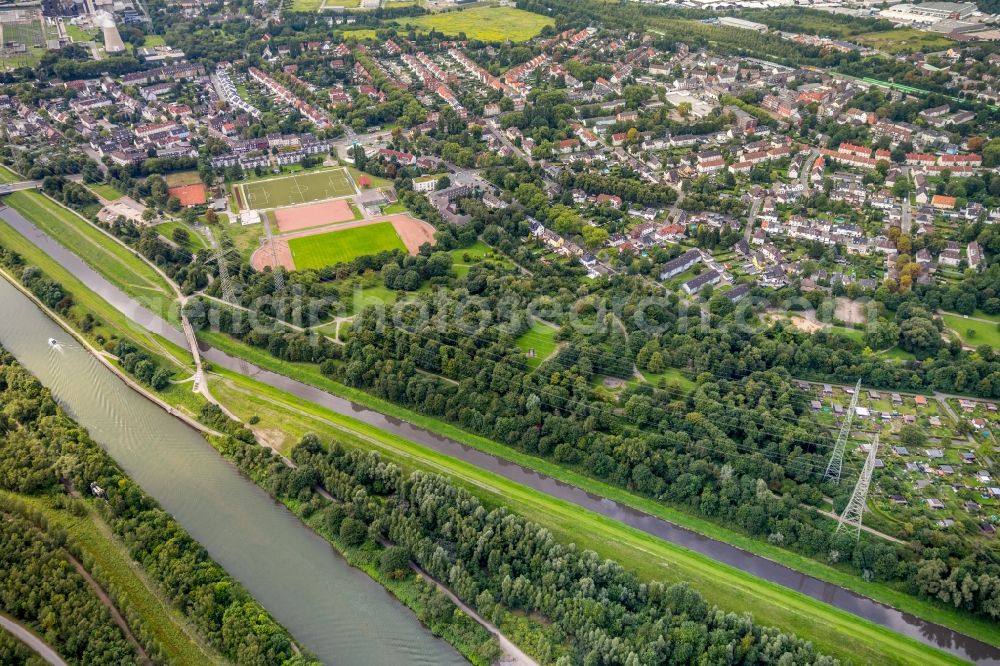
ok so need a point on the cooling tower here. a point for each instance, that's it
(112, 40)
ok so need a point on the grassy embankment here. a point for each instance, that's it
(108, 559)
(979, 628)
(109, 323)
(614, 535)
(8, 176)
(650, 556)
(107, 256)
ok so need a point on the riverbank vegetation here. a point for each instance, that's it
(387, 566)
(580, 608)
(44, 452)
(774, 454)
(42, 589)
(141, 601)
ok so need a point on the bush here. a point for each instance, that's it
(353, 532)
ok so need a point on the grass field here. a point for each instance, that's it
(297, 189)
(102, 253)
(361, 34)
(108, 192)
(904, 40)
(153, 40)
(182, 178)
(78, 34)
(125, 579)
(488, 24)
(342, 246)
(195, 240)
(984, 332)
(542, 339)
(314, 5)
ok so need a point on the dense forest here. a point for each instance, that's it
(42, 452)
(585, 610)
(40, 588)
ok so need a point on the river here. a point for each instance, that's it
(927, 632)
(332, 609)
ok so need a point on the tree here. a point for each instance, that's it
(912, 436)
(394, 562)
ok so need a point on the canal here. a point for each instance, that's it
(332, 609)
(927, 632)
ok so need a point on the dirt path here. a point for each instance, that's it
(115, 615)
(831, 515)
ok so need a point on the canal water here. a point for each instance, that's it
(930, 633)
(332, 609)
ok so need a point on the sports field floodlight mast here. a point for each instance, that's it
(850, 519)
(837, 457)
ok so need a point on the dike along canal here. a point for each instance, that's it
(930, 633)
(332, 609)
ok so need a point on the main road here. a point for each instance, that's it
(924, 631)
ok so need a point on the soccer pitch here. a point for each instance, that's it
(297, 189)
(342, 246)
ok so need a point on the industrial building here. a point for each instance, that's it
(928, 12)
(732, 22)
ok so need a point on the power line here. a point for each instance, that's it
(837, 458)
(850, 519)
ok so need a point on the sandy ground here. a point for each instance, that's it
(850, 312)
(412, 232)
(281, 255)
(806, 321)
(295, 218)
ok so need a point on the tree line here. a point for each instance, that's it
(584, 610)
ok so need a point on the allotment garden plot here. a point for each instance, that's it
(295, 189)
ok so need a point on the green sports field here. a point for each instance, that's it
(341, 246)
(297, 189)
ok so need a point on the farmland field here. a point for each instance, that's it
(297, 189)
(342, 246)
(489, 24)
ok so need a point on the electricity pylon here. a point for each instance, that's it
(837, 457)
(851, 516)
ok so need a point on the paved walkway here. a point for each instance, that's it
(26, 636)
